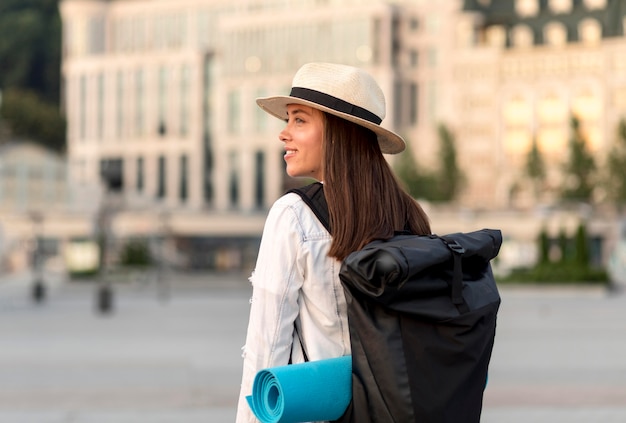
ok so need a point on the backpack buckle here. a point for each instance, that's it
(455, 247)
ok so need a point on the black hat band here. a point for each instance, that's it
(334, 103)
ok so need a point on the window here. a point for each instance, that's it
(183, 192)
(433, 23)
(414, 58)
(184, 101)
(397, 103)
(112, 174)
(233, 179)
(413, 103)
(162, 99)
(261, 117)
(139, 176)
(589, 31)
(561, 6)
(595, 4)
(96, 35)
(161, 191)
(432, 99)
(82, 108)
(100, 107)
(259, 180)
(522, 36)
(139, 102)
(555, 34)
(119, 106)
(233, 112)
(527, 8)
(433, 57)
(496, 36)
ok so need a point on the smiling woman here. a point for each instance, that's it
(303, 136)
(332, 134)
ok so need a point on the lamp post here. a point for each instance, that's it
(38, 292)
(110, 175)
(104, 292)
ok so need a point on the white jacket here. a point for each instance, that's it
(294, 282)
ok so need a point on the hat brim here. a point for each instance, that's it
(389, 142)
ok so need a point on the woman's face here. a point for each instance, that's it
(303, 136)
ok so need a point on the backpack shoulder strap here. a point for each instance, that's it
(313, 196)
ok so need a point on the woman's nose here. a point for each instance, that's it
(283, 135)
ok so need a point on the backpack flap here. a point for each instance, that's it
(415, 274)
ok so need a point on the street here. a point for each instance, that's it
(173, 355)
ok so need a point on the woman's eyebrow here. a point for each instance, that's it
(296, 111)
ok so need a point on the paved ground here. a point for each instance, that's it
(170, 353)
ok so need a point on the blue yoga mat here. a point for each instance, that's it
(305, 392)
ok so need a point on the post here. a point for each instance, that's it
(38, 292)
(104, 292)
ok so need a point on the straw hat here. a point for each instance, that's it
(344, 91)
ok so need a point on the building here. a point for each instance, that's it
(37, 202)
(159, 96)
(536, 64)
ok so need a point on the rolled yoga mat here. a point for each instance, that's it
(312, 391)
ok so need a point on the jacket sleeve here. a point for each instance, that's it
(276, 283)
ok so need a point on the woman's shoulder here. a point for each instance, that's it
(301, 214)
(290, 199)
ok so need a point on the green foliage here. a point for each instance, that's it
(571, 267)
(616, 167)
(580, 168)
(29, 117)
(535, 167)
(30, 47)
(581, 247)
(449, 177)
(441, 185)
(30, 66)
(544, 247)
(551, 273)
(135, 253)
(407, 171)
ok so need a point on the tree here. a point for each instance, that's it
(544, 247)
(580, 168)
(450, 176)
(440, 185)
(535, 168)
(616, 167)
(30, 65)
(30, 47)
(407, 171)
(581, 252)
(28, 117)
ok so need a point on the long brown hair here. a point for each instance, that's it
(365, 201)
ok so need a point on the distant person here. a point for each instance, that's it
(333, 135)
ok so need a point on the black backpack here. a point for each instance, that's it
(422, 316)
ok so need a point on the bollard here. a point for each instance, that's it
(104, 299)
(39, 291)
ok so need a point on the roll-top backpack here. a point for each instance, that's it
(422, 316)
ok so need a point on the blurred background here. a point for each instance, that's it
(129, 131)
(132, 149)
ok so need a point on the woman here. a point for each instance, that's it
(332, 134)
